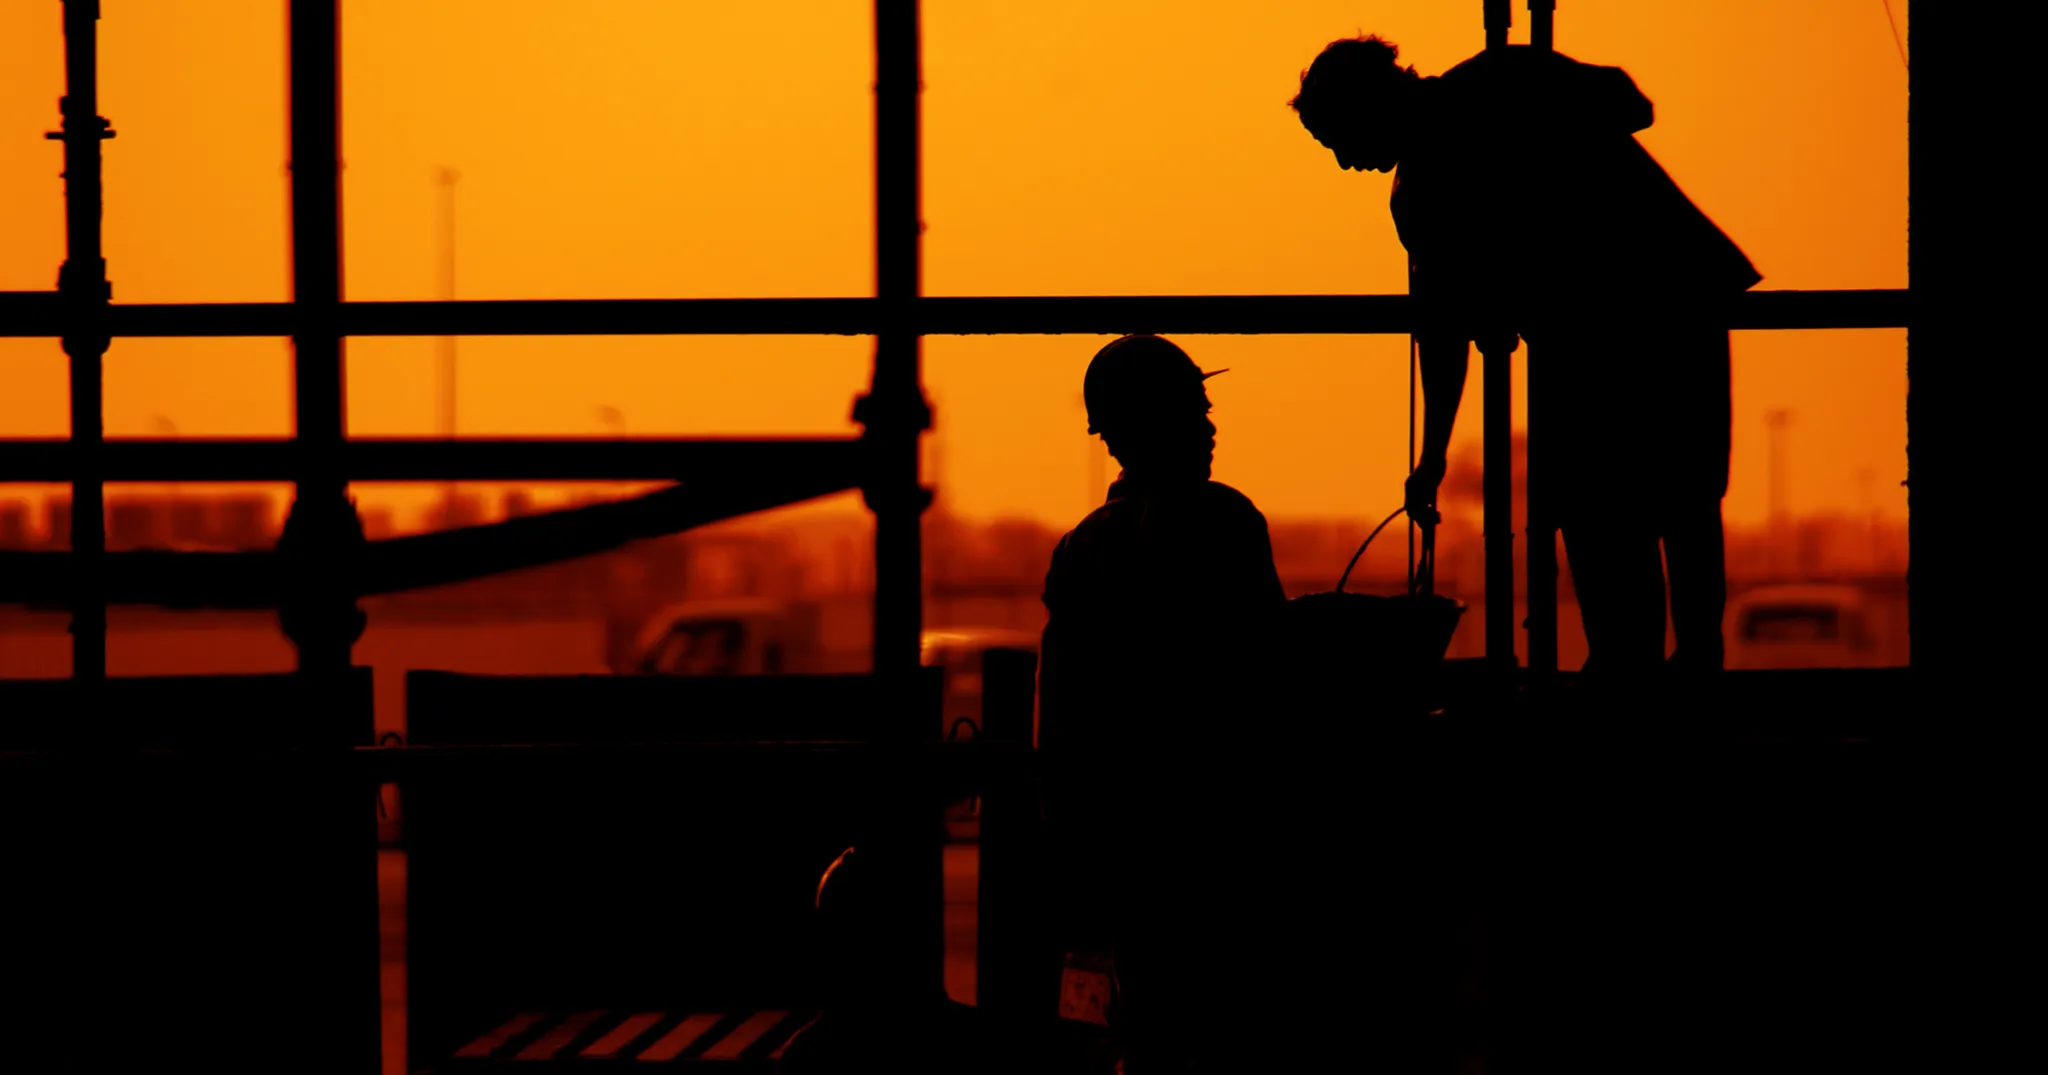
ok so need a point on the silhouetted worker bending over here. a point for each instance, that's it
(1528, 209)
(1159, 604)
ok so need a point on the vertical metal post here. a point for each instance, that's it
(1499, 497)
(1542, 551)
(895, 411)
(323, 532)
(321, 540)
(895, 414)
(1931, 609)
(1542, 32)
(83, 289)
(1499, 16)
(1497, 421)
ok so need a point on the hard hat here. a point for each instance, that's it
(1136, 375)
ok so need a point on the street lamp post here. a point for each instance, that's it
(168, 430)
(447, 178)
(1781, 524)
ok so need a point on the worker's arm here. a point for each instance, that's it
(1453, 304)
(1444, 360)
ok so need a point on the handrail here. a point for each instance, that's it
(394, 459)
(943, 762)
(943, 316)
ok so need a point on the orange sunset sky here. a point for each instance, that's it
(677, 148)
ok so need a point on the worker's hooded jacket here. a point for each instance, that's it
(1522, 192)
(1528, 207)
(1161, 609)
(1150, 601)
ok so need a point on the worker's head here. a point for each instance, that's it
(1356, 100)
(1147, 400)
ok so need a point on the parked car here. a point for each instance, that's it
(959, 650)
(746, 637)
(1815, 626)
(756, 637)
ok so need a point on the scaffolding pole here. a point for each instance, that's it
(1542, 551)
(895, 415)
(1497, 425)
(320, 548)
(83, 294)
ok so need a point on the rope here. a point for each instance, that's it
(1361, 548)
(1893, 22)
(1414, 369)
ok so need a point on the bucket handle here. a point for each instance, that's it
(1425, 568)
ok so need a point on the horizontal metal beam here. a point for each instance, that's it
(256, 579)
(1890, 308)
(1089, 315)
(15, 304)
(1764, 713)
(178, 580)
(437, 559)
(397, 459)
(944, 762)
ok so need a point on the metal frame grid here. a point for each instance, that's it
(322, 532)
(323, 564)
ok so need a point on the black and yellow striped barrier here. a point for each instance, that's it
(733, 1038)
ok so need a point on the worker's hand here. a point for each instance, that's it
(1422, 487)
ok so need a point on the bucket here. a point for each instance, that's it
(1372, 651)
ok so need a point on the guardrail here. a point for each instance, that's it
(923, 316)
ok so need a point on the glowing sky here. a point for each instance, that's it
(648, 148)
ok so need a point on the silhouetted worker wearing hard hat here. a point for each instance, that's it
(1529, 209)
(1159, 605)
